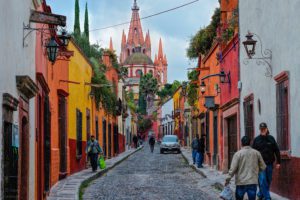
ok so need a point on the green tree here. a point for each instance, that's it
(168, 90)
(192, 92)
(148, 86)
(202, 41)
(86, 23)
(77, 31)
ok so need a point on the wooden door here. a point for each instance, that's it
(216, 147)
(24, 161)
(62, 123)
(109, 140)
(104, 138)
(232, 138)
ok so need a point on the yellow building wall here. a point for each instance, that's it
(80, 71)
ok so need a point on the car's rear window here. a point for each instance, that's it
(170, 139)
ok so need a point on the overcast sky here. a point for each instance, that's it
(175, 28)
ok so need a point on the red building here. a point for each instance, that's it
(229, 104)
(229, 96)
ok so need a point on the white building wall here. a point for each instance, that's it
(17, 60)
(277, 24)
(167, 109)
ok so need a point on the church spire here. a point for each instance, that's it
(160, 50)
(111, 47)
(135, 35)
(135, 6)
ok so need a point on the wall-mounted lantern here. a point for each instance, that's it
(266, 54)
(52, 50)
(64, 38)
(202, 87)
(249, 45)
(224, 78)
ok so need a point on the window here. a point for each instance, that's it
(88, 125)
(139, 73)
(282, 111)
(249, 116)
(78, 133)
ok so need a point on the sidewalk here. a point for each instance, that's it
(68, 188)
(216, 179)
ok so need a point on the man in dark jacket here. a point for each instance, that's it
(152, 143)
(135, 141)
(201, 150)
(195, 147)
(268, 147)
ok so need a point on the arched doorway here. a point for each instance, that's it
(24, 155)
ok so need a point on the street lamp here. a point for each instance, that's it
(64, 38)
(52, 50)
(223, 77)
(249, 45)
(265, 56)
(202, 87)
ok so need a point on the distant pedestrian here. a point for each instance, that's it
(246, 165)
(268, 147)
(135, 141)
(151, 143)
(93, 150)
(195, 144)
(200, 151)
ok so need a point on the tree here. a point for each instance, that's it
(86, 23)
(192, 93)
(168, 90)
(148, 86)
(204, 38)
(77, 31)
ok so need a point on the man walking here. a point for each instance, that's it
(245, 165)
(93, 150)
(200, 151)
(268, 147)
(135, 141)
(152, 143)
(195, 148)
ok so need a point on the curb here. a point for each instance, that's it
(199, 171)
(102, 172)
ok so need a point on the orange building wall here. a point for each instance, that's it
(56, 72)
(210, 65)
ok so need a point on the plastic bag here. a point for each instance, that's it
(102, 163)
(227, 193)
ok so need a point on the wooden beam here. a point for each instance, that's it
(47, 18)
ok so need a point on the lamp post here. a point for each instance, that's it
(265, 57)
(52, 50)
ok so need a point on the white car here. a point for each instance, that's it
(170, 143)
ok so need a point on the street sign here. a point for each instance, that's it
(47, 18)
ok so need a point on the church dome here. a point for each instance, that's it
(138, 59)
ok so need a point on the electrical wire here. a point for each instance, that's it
(149, 16)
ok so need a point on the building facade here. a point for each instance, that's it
(167, 120)
(136, 57)
(270, 88)
(79, 108)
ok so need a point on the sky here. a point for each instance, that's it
(175, 28)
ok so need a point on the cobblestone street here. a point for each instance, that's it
(149, 176)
